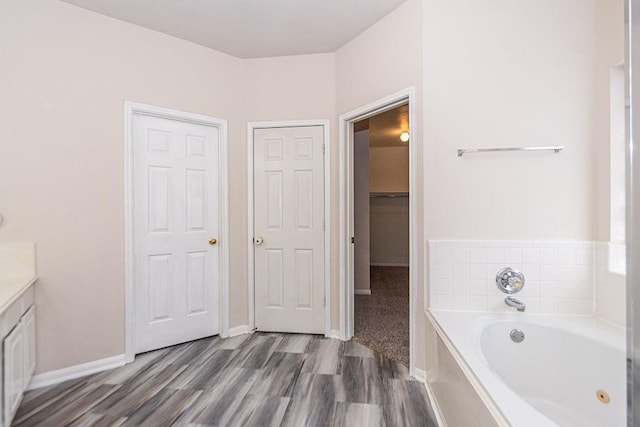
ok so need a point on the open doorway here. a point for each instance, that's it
(381, 231)
(347, 214)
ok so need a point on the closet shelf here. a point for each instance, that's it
(379, 195)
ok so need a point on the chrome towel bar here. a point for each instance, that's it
(555, 148)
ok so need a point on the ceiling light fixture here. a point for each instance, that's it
(404, 136)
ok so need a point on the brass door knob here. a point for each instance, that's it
(212, 241)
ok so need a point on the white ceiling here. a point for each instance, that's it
(252, 28)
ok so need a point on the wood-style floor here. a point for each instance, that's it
(250, 380)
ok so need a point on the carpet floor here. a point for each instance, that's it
(382, 318)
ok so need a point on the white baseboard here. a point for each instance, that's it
(362, 291)
(77, 371)
(434, 405)
(419, 374)
(239, 330)
(389, 264)
(333, 334)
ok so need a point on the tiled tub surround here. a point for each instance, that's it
(609, 286)
(559, 275)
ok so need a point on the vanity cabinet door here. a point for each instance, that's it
(13, 371)
(29, 321)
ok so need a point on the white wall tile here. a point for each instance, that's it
(549, 256)
(461, 287)
(584, 256)
(531, 272)
(444, 254)
(533, 305)
(513, 255)
(531, 289)
(495, 255)
(444, 270)
(492, 271)
(444, 302)
(584, 307)
(461, 255)
(461, 302)
(567, 256)
(478, 271)
(478, 303)
(549, 289)
(478, 288)
(549, 305)
(461, 271)
(530, 255)
(559, 276)
(443, 286)
(567, 306)
(549, 273)
(496, 303)
(477, 255)
(610, 294)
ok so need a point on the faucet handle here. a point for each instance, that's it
(509, 280)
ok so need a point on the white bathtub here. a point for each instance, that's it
(550, 378)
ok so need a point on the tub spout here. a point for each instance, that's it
(516, 303)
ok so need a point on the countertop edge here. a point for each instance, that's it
(17, 292)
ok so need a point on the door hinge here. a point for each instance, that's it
(353, 240)
(322, 148)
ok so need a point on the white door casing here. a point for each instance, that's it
(176, 279)
(289, 236)
(346, 208)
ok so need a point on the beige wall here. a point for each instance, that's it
(499, 74)
(385, 59)
(389, 169)
(298, 88)
(361, 213)
(64, 77)
(390, 231)
(609, 24)
(389, 172)
(491, 77)
(290, 88)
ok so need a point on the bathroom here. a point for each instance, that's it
(485, 74)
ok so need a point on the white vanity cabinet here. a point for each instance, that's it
(17, 325)
(18, 353)
(13, 348)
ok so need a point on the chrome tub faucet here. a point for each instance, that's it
(515, 303)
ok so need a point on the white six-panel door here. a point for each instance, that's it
(289, 229)
(176, 267)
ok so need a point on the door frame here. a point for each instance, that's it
(131, 109)
(251, 126)
(346, 121)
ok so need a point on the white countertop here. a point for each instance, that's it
(17, 271)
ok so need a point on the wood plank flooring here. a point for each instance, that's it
(250, 380)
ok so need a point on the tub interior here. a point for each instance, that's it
(558, 372)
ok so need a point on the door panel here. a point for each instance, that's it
(176, 270)
(289, 216)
